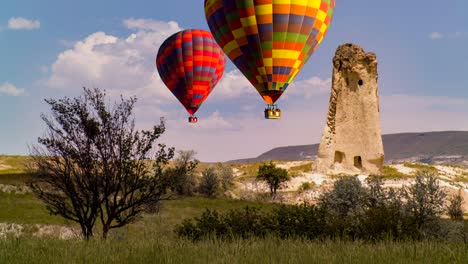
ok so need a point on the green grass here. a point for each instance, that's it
(392, 173)
(152, 248)
(421, 167)
(461, 178)
(25, 209)
(152, 240)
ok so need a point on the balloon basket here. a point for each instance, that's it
(272, 112)
(193, 119)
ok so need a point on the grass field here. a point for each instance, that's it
(152, 240)
(152, 248)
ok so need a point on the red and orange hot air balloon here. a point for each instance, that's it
(190, 63)
(269, 40)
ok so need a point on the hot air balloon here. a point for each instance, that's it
(190, 63)
(269, 40)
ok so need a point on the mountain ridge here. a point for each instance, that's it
(433, 147)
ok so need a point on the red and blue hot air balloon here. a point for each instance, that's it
(190, 63)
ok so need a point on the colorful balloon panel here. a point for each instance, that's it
(269, 40)
(190, 63)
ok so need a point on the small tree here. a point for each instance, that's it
(275, 177)
(180, 177)
(209, 183)
(92, 163)
(454, 207)
(225, 175)
(425, 199)
(343, 207)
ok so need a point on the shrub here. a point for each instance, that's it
(348, 211)
(305, 186)
(454, 208)
(209, 182)
(296, 221)
(245, 223)
(384, 211)
(225, 176)
(425, 199)
(180, 178)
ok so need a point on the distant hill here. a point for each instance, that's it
(426, 147)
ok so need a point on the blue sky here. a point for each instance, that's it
(51, 48)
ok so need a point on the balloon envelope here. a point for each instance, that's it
(269, 40)
(190, 63)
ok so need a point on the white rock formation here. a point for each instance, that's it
(351, 141)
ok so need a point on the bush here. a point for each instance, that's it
(245, 223)
(384, 212)
(296, 221)
(425, 200)
(348, 211)
(180, 178)
(209, 182)
(344, 206)
(454, 208)
(225, 176)
(305, 186)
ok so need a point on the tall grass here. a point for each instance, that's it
(154, 249)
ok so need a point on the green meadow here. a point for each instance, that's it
(152, 239)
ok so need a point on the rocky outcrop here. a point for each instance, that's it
(351, 141)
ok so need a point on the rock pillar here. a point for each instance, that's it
(351, 141)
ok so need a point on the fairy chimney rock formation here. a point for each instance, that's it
(351, 141)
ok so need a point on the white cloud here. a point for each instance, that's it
(309, 87)
(119, 65)
(20, 23)
(10, 89)
(232, 85)
(451, 35)
(436, 35)
(152, 25)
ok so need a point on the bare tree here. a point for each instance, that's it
(92, 163)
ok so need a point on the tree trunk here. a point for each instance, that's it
(105, 231)
(86, 232)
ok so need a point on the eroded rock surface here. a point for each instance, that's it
(351, 141)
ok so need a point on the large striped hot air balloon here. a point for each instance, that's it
(269, 40)
(190, 63)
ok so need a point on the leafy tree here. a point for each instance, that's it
(209, 183)
(425, 199)
(275, 177)
(180, 177)
(344, 206)
(93, 164)
(225, 175)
